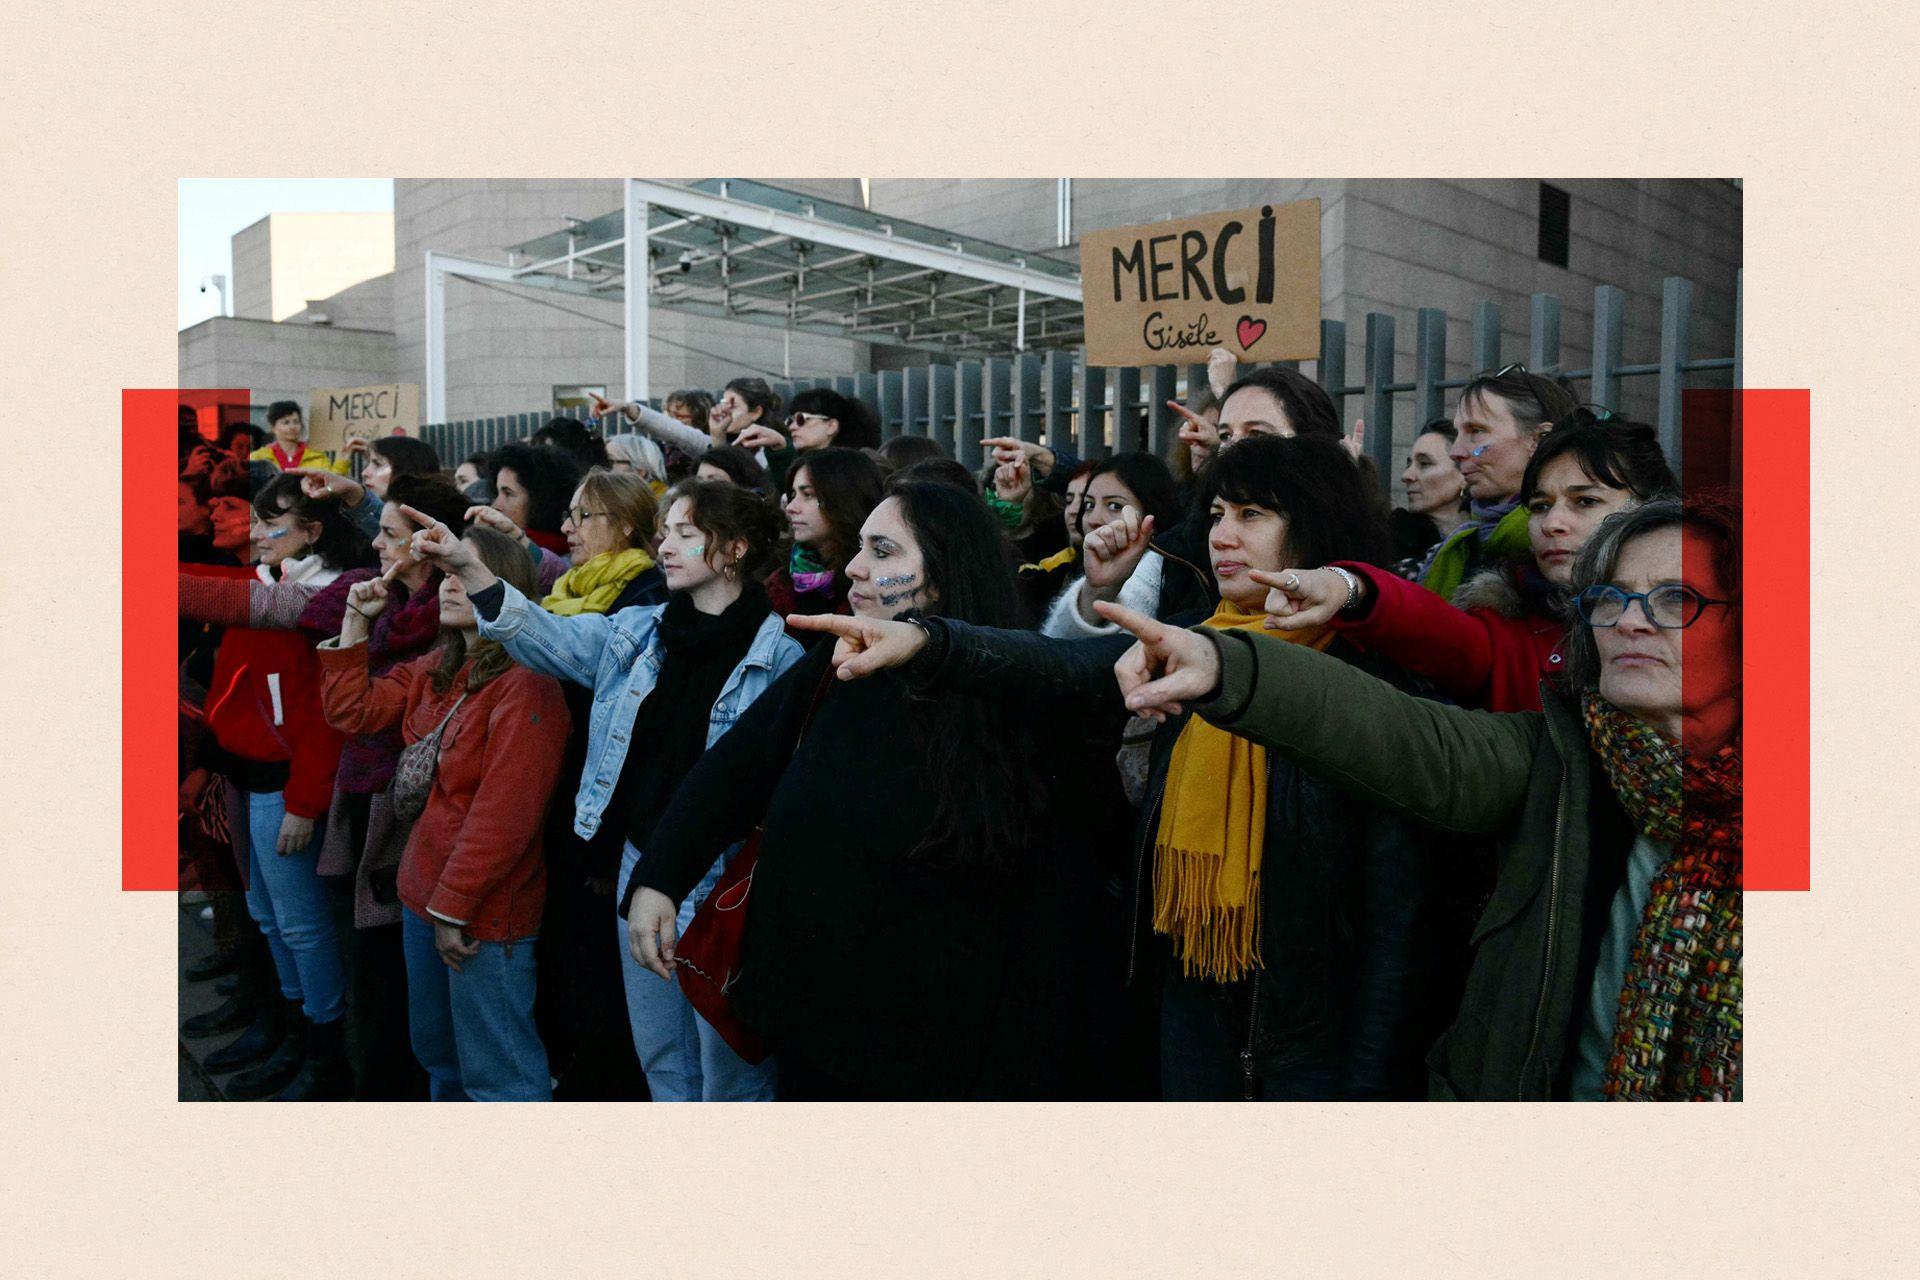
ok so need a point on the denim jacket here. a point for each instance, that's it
(618, 656)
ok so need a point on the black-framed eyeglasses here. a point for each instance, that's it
(1673, 607)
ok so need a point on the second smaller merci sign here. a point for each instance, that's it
(1170, 292)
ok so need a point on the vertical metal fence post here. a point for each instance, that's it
(1029, 399)
(1486, 337)
(915, 422)
(1127, 436)
(866, 387)
(846, 386)
(1196, 382)
(967, 433)
(893, 403)
(1161, 428)
(1609, 328)
(1093, 411)
(1059, 412)
(1331, 367)
(940, 405)
(1429, 365)
(997, 387)
(1379, 400)
(1676, 324)
(1543, 334)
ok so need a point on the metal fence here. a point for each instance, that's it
(1059, 399)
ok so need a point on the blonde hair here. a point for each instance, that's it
(627, 500)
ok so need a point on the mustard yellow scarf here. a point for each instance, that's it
(1213, 826)
(594, 586)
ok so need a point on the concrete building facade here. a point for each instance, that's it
(1387, 246)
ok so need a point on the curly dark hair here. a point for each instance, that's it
(728, 512)
(859, 425)
(849, 485)
(549, 476)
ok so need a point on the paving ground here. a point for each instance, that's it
(196, 940)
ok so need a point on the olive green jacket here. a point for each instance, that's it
(1528, 779)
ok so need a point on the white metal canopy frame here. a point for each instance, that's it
(741, 250)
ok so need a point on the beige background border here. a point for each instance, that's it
(104, 1173)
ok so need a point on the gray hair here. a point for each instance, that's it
(640, 453)
(1713, 514)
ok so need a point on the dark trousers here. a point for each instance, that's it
(384, 1068)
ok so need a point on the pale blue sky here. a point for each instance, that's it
(212, 209)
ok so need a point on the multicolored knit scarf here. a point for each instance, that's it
(809, 572)
(1677, 1036)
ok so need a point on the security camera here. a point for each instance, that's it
(686, 261)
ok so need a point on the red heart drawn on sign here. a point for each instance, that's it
(1250, 331)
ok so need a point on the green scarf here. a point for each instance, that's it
(1473, 545)
(1677, 1037)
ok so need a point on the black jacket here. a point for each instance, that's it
(901, 980)
(1342, 1006)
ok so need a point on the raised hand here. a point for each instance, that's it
(369, 598)
(435, 542)
(1195, 430)
(759, 437)
(1012, 481)
(318, 483)
(1221, 366)
(865, 645)
(1355, 442)
(1167, 668)
(1007, 449)
(497, 520)
(1114, 550)
(604, 408)
(1301, 598)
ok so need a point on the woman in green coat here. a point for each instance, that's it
(1608, 961)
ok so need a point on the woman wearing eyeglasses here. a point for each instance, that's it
(1608, 963)
(1506, 628)
(1497, 425)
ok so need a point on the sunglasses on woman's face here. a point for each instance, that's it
(798, 420)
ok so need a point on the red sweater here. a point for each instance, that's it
(474, 857)
(264, 705)
(1482, 657)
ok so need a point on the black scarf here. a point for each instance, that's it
(670, 728)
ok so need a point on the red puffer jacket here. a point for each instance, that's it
(1488, 651)
(474, 858)
(264, 705)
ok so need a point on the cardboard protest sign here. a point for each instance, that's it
(339, 414)
(1169, 292)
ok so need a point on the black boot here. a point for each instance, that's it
(325, 1077)
(213, 966)
(258, 1041)
(240, 1010)
(278, 1071)
(227, 985)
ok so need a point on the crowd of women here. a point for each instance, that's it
(1206, 777)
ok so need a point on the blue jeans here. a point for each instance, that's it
(685, 1059)
(290, 902)
(473, 1030)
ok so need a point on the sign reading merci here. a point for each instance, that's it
(340, 414)
(1168, 293)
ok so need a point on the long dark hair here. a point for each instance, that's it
(340, 546)
(571, 434)
(1331, 515)
(985, 780)
(849, 486)
(487, 659)
(757, 395)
